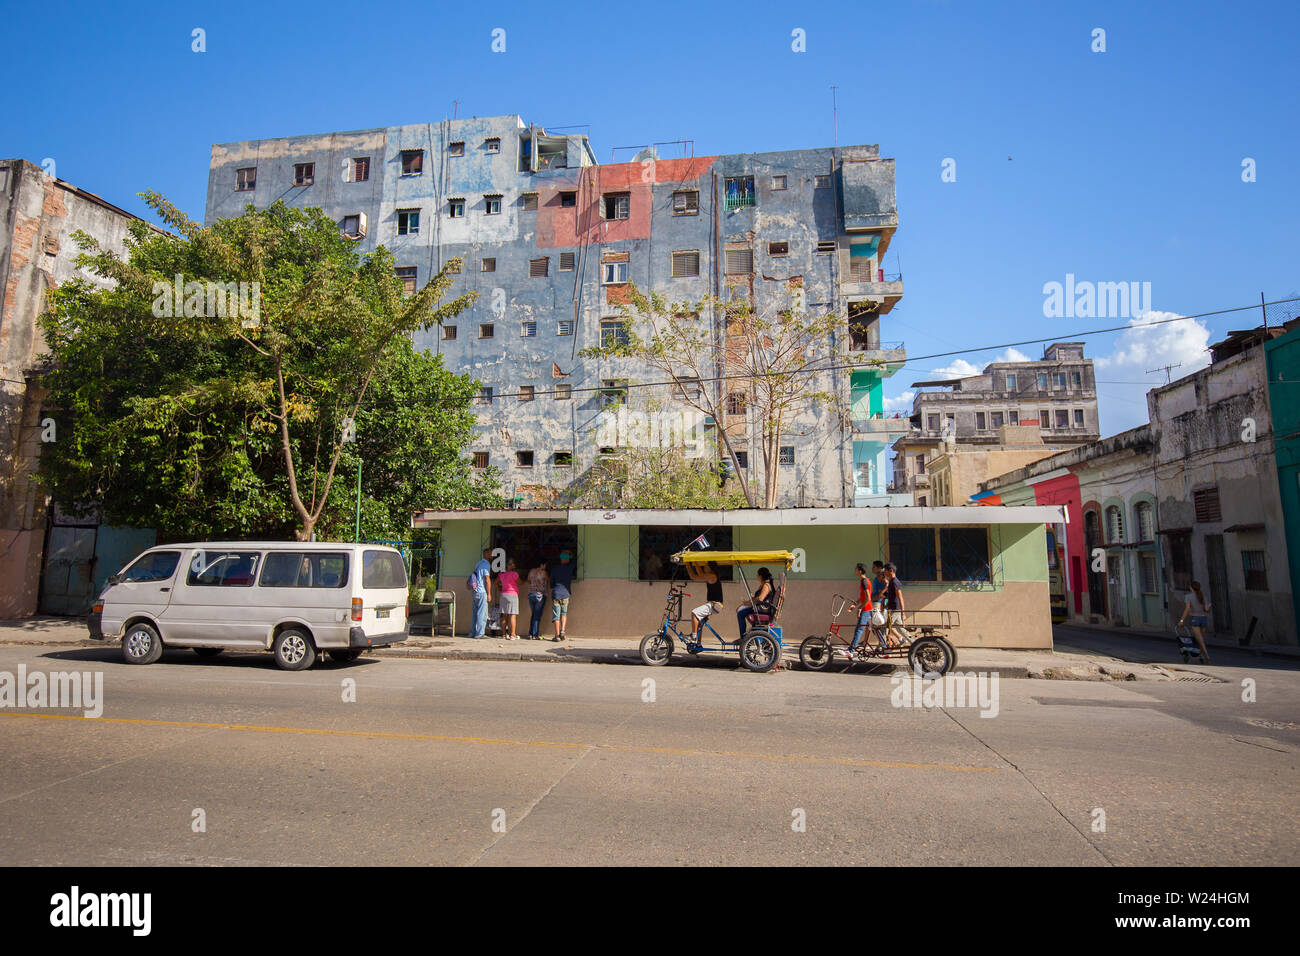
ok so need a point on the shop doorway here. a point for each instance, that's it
(526, 544)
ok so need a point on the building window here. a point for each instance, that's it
(487, 330)
(568, 198)
(932, 422)
(736, 403)
(456, 208)
(539, 268)
(485, 395)
(304, 174)
(354, 227)
(480, 459)
(360, 169)
(528, 202)
(562, 459)
(1206, 504)
(492, 205)
(1114, 525)
(448, 332)
(980, 421)
(920, 464)
(686, 264)
(912, 552)
(565, 327)
(563, 392)
(996, 419)
(686, 202)
(567, 261)
(613, 332)
(528, 329)
(1078, 418)
(822, 181)
(689, 389)
(492, 145)
(778, 248)
(613, 391)
(527, 393)
(778, 183)
(1058, 379)
(613, 273)
(412, 162)
(1145, 525)
(456, 149)
(408, 222)
(246, 179)
(963, 554)
(524, 459)
(826, 245)
(739, 260)
(488, 265)
(1147, 572)
(1011, 381)
(1042, 381)
(407, 275)
(786, 455)
(1013, 418)
(1044, 418)
(1076, 379)
(616, 205)
(656, 542)
(1180, 560)
(1252, 566)
(1062, 418)
(742, 459)
(739, 192)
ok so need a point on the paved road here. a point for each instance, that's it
(584, 771)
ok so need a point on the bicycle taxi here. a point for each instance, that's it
(761, 648)
(924, 642)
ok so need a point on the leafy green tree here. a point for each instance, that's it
(195, 416)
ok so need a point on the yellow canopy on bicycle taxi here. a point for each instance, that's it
(783, 558)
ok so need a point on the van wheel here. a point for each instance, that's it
(208, 651)
(141, 644)
(343, 657)
(294, 650)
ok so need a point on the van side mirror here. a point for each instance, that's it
(114, 579)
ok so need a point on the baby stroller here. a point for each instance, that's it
(494, 620)
(1187, 644)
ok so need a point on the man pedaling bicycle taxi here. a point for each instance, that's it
(864, 609)
(707, 575)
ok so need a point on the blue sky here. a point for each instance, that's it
(1117, 166)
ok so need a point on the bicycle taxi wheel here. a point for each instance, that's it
(930, 655)
(656, 648)
(760, 651)
(815, 653)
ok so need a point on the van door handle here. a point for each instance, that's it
(164, 589)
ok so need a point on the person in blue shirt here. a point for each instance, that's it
(481, 584)
(562, 576)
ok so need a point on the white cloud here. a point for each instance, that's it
(958, 369)
(901, 403)
(1125, 375)
(1013, 355)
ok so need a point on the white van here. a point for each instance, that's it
(292, 598)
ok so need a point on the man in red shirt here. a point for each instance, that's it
(864, 606)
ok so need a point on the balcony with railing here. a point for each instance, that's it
(878, 424)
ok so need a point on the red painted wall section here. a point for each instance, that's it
(561, 227)
(1065, 491)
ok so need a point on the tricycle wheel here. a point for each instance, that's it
(952, 651)
(930, 655)
(815, 653)
(760, 652)
(656, 648)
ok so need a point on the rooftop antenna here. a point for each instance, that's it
(835, 118)
(1166, 369)
(455, 105)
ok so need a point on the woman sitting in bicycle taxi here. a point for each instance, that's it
(763, 603)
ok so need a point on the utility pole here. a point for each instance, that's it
(835, 118)
(1166, 369)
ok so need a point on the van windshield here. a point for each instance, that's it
(382, 569)
(158, 566)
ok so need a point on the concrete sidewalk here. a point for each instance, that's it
(1212, 643)
(1006, 663)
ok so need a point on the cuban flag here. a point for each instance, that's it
(702, 541)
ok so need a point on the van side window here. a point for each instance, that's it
(156, 566)
(230, 569)
(304, 569)
(382, 569)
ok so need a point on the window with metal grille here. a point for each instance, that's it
(539, 267)
(742, 459)
(487, 330)
(480, 459)
(412, 162)
(408, 275)
(568, 198)
(686, 264)
(360, 169)
(527, 393)
(448, 332)
(1146, 525)
(912, 552)
(739, 261)
(246, 179)
(408, 222)
(778, 183)
(492, 204)
(778, 248)
(860, 270)
(304, 174)
(1114, 525)
(528, 201)
(617, 205)
(488, 265)
(1206, 504)
(1147, 572)
(1252, 566)
(822, 181)
(524, 459)
(786, 455)
(964, 554)
(1180, 560)
(492, 145)
(565, 327)
(613, 273)
(528, 329)
(739, 192)
(485, 395)
(562, 459)
(567, 260)
(456, 149)
(736, 403)
(612, 332)
(563, 392)
(686, 202)
(825, 245)
(456, 208)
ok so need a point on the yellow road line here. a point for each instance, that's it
(506, 742)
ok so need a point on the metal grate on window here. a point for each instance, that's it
(1252, 565)
(786, 455)
(739, 261)
(488, 265)
(822, 181)
(686, 264)
(567, 260)
(1206, 503)
(539, 267)
(528, 201)
(528, 329)
(739, 192)
(565, 327)
(686, 202)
